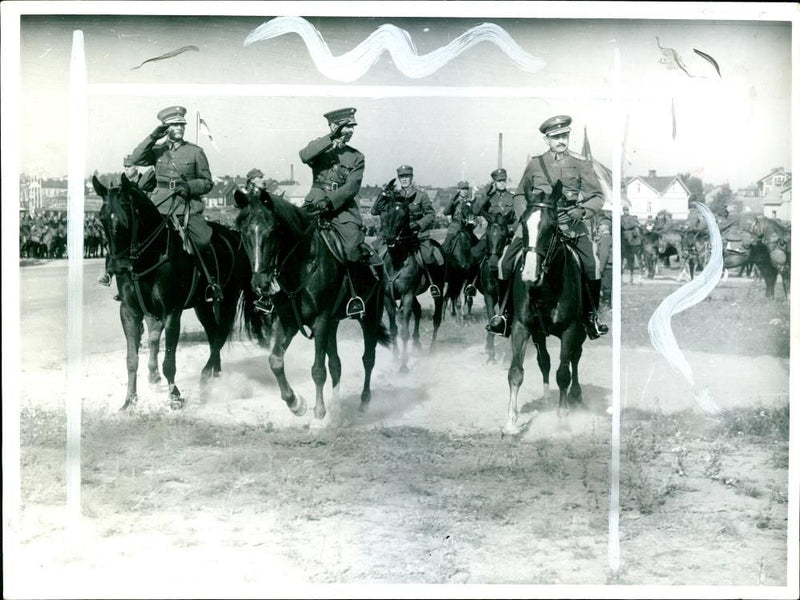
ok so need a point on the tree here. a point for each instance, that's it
(721, 200)
(694, 185)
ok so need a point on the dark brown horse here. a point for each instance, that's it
(406, 277)
(305, 283)
(497, 237)
(557, 310)
(461, 268)
(157, 279)
(771, 252)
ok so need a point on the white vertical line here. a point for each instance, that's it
(616, 315)
(78, 122)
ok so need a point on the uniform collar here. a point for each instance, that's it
(176, 145)
(555, 157)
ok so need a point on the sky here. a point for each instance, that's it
(733, 128)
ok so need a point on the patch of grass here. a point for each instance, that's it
(765, 423)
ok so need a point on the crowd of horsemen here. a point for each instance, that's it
(181, 175)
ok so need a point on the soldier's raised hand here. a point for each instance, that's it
(159, 131)
(337, 133)
(388, 189)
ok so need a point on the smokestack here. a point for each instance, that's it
(291, 172)
(651, 173)
(499, 150)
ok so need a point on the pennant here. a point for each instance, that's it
(170, 54)
(587, 150)
(670, 58)
(202, 127)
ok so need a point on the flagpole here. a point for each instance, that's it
(197, 129)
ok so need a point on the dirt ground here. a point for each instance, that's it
(236, 497)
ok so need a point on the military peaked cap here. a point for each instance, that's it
(172, 115)
(405, 170)
(341, 115)
(499, 175)
(556, 125)
(463, 185)
(253, 173)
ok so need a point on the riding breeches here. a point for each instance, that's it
(199, 231)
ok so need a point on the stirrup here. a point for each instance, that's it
(470, 290)
(355, 308)
(213, 292)
(498, 325)
(264, 305)
(104, 279)
(435, 291)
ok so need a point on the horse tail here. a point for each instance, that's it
(382, 335)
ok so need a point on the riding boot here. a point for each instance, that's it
(594, 326)
(500, 324)
(213, 290)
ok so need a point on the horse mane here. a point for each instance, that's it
(296, 218)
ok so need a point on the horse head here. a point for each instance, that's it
(496, 236)
(116, 218)
(258, 226)
(395, 221)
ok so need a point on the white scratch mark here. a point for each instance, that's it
(689, 294)
(352, 65)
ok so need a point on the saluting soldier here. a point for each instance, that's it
(460, 209)
(182, 177)
(421, 217)
(338, 169)
(255, 181)
(495, 204)
(583, 198)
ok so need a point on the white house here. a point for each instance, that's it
(773, 181)
(778, 202)
(651, 194)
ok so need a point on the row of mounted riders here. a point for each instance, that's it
(750, 243)
(281, 270)
(44, 236)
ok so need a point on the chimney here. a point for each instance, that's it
(651, 173)
(500, 150)
(291, 172)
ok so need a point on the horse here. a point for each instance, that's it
(461, 268)
(405, 278)
(696, 251)
(156, 277)
(632, 250)
(305, 285)
(650, 253)
(497, 237)
(771, 252)
(556, 310)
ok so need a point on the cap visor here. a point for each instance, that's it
(558, 131)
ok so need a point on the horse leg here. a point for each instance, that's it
(172, 329)
(318, 371)
(368, 329)
(132, 326)
(490, 304)
(154, 330)
(575, 391)
(416, 309)
(391, 310)
(516, 374)
(543, 360)
(334, 362)
(438, 309)
(405, 320)
(280, 342)
(563, 375)
(217, 333)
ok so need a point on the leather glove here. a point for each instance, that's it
(414, 227)
(321, 205)
(159, 132)
(576, 213)
(182, 189)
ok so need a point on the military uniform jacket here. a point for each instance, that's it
(337, 175)
(576, 175)
(459, 209)
(420, 208)
(187, 162)
(494, 202)
(629, 222)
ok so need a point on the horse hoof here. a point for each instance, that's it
(509, 429)
(154, 378)
(404, 369)
(299, 408)
(130, 401)
(177, 403)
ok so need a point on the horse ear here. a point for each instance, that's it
(99, 187)
(240, 199)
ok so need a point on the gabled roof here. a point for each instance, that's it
(776, 171)
(659, 184)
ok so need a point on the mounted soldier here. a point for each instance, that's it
(421, 217)
(462, 214)
(255, 181)
(495, 204)
(582, 199)
(338, 170)
(182, 177)
(631, 228)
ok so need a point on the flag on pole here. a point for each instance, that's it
(603, 173)
(202, 127)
